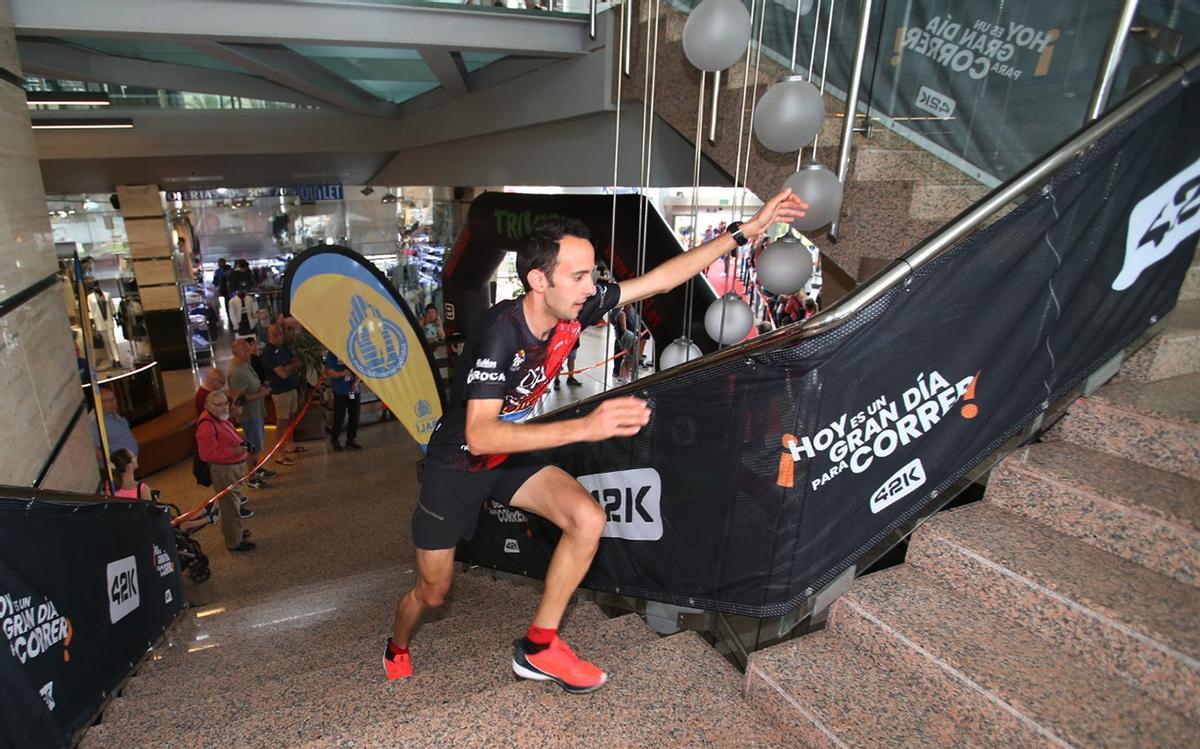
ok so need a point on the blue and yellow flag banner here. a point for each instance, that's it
(351, 308)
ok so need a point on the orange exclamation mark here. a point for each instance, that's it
(786, 464)
(970, 410)
(67, 641)
(1043, 65)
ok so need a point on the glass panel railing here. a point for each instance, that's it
(987, 87)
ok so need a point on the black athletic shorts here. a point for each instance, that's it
(451, 500)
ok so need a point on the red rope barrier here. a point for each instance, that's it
(602, 362)
(198, 510)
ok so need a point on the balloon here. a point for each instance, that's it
(818, 187)
(784, 266)
(677, 352)
(789, 115)
(737, 323)
(716, 34)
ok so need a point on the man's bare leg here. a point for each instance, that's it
(435, 571)
(556, 496)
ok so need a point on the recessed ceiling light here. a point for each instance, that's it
(111, 123)
(67, 98)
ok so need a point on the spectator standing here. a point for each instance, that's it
(346, 401)
(262, 326)
(247, 391)
(241, 278)
(281, 366)
(219, 445)
(243, 312)
(214, 380)
(221, 282)
(116, 427)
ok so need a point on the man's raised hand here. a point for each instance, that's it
(785, 206)
(619, 417)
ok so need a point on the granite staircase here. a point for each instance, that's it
(897, 194)
(303, 670)
(1059, 611)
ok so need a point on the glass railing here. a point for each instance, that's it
(987, 87)
(149, 98)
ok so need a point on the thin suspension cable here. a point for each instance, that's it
(737, 169)
(612, 232)
(824, 70)
(644, 220)
(812, 55)
(753, 100)
(795, 34)
(695, 199)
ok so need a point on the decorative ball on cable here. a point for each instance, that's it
(789, 115)
(822, 190)
(677, 352)
(785, 265)
(716, 33)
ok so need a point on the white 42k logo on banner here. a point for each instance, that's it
(1159, 223)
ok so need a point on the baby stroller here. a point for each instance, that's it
(191, 556)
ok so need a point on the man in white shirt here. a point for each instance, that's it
(243, 313)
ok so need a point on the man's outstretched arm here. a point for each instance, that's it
(487, 434)
(783, 207)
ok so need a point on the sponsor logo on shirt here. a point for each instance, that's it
(511, 546)
(485, 364)
(476, 376)
(517, 361)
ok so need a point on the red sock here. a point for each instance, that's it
(541, 635)
(395, 649)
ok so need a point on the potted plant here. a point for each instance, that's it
(311, 354)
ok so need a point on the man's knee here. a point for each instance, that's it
(432, 593)
(586, 522)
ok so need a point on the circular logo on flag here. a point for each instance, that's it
(423, 409)
(376, 345)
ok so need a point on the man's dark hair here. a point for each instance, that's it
(431, 307)
(540, 249)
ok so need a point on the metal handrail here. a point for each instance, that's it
(929, 250)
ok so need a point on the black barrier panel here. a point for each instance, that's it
(498, 221)
(760, 478)
(85, 589)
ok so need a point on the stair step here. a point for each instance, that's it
(1191, 283)
(336, 639)
(1128, 620)
(1053, 694)
(445, 657)
(831, 692)
(1173, 352)
(348, 703)
(1145, 515)
(676, 692)
(936, 202)
(1155, 423)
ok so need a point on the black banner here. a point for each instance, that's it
(497, 222)
(85, 589)
(768, 472)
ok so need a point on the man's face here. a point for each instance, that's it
(275, 336)
(241, 351)
(571, 283)
(218, 380)
(218, 405)
(109, 402)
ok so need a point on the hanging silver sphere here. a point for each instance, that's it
(736, 323)
(805, 6)
(818, 187)
(789, 115)
(784, 266)
(716, 34)
(677, 352)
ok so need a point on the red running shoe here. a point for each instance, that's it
(555, 662)
(396, 666)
